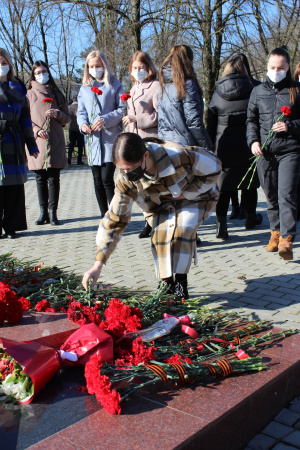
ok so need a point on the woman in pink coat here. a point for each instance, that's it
(142, 114)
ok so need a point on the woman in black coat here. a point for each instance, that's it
(226, 125)
(279, 162)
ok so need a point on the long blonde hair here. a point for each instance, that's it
(6, 55)
(107, 77)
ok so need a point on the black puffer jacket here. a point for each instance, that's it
(263, 111)
(181, 120)
(226, 120)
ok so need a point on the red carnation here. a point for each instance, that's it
(286, 110)
(96, 90)
(12, 309)
(125, 97)
(42, 306)
(26, 305)
(48, 100)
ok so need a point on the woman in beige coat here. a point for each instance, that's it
(142, 115)
(47, 121)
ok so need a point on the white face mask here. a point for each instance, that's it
(139, 75)
(276, 77)
(97, 73)
(42, 78)
(4, 70)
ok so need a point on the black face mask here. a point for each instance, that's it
(135, 174)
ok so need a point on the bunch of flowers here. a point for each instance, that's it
(111, 384)
(96, 91)
(121, 318)
(48, 102)
(14, 383)
(125, 98)
(83, 314)
(285, 111)
(11, 309)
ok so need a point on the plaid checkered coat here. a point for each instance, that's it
(181, 170)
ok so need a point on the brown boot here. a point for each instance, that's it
(285, 249)
(273, 242)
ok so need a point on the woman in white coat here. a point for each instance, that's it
(99, 118)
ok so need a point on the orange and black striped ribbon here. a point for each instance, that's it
(237, 339)
(183, 376)
(225, 367)
(159, 371)
(212, 370)
(246, 331)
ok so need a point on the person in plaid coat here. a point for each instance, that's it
(15, 132)
(175, 186)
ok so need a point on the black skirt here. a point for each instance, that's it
(12, 208)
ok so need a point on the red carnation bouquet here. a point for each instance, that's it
(96, 92)
(48, 102)
(11, 307)
(125, 98)
(286, 111)
(25, 368)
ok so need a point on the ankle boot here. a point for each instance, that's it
(273, 242)
(221, 228)
(181, 290)
(44, 216)
(146, 232)
(53, 218)
(252, 220)
(285, 248)
(235, 212)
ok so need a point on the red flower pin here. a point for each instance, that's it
(125, 97)
(96, 90)
(286, 110)
(48, 100)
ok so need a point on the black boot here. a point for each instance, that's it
(44, 216)
(180, 290)
(235, 212)
(53, 217)
(221, 228)
(252, 220)
(146, 232)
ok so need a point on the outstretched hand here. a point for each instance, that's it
(92, 274)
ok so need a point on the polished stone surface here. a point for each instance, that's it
(51, 329)
(204, 416)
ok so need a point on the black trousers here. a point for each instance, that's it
(249, 198)
(279, 177)
(47, 182)
(104, 185)
(12, 208)
(75, 137)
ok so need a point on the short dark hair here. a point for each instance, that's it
(128, 147)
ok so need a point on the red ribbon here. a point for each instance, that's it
(240, 353)
(185, 322)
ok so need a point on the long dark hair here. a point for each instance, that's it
(128, 147)
(293, 87)
(51, 81)
(181, 59)
(244, 58)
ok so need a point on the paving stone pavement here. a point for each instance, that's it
(237, 273)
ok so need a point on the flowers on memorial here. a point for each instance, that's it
(125, 98)
(111, 384)
(285, 111)
(14, 383)
(48, 102)
(96, 92)
(11, 309)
